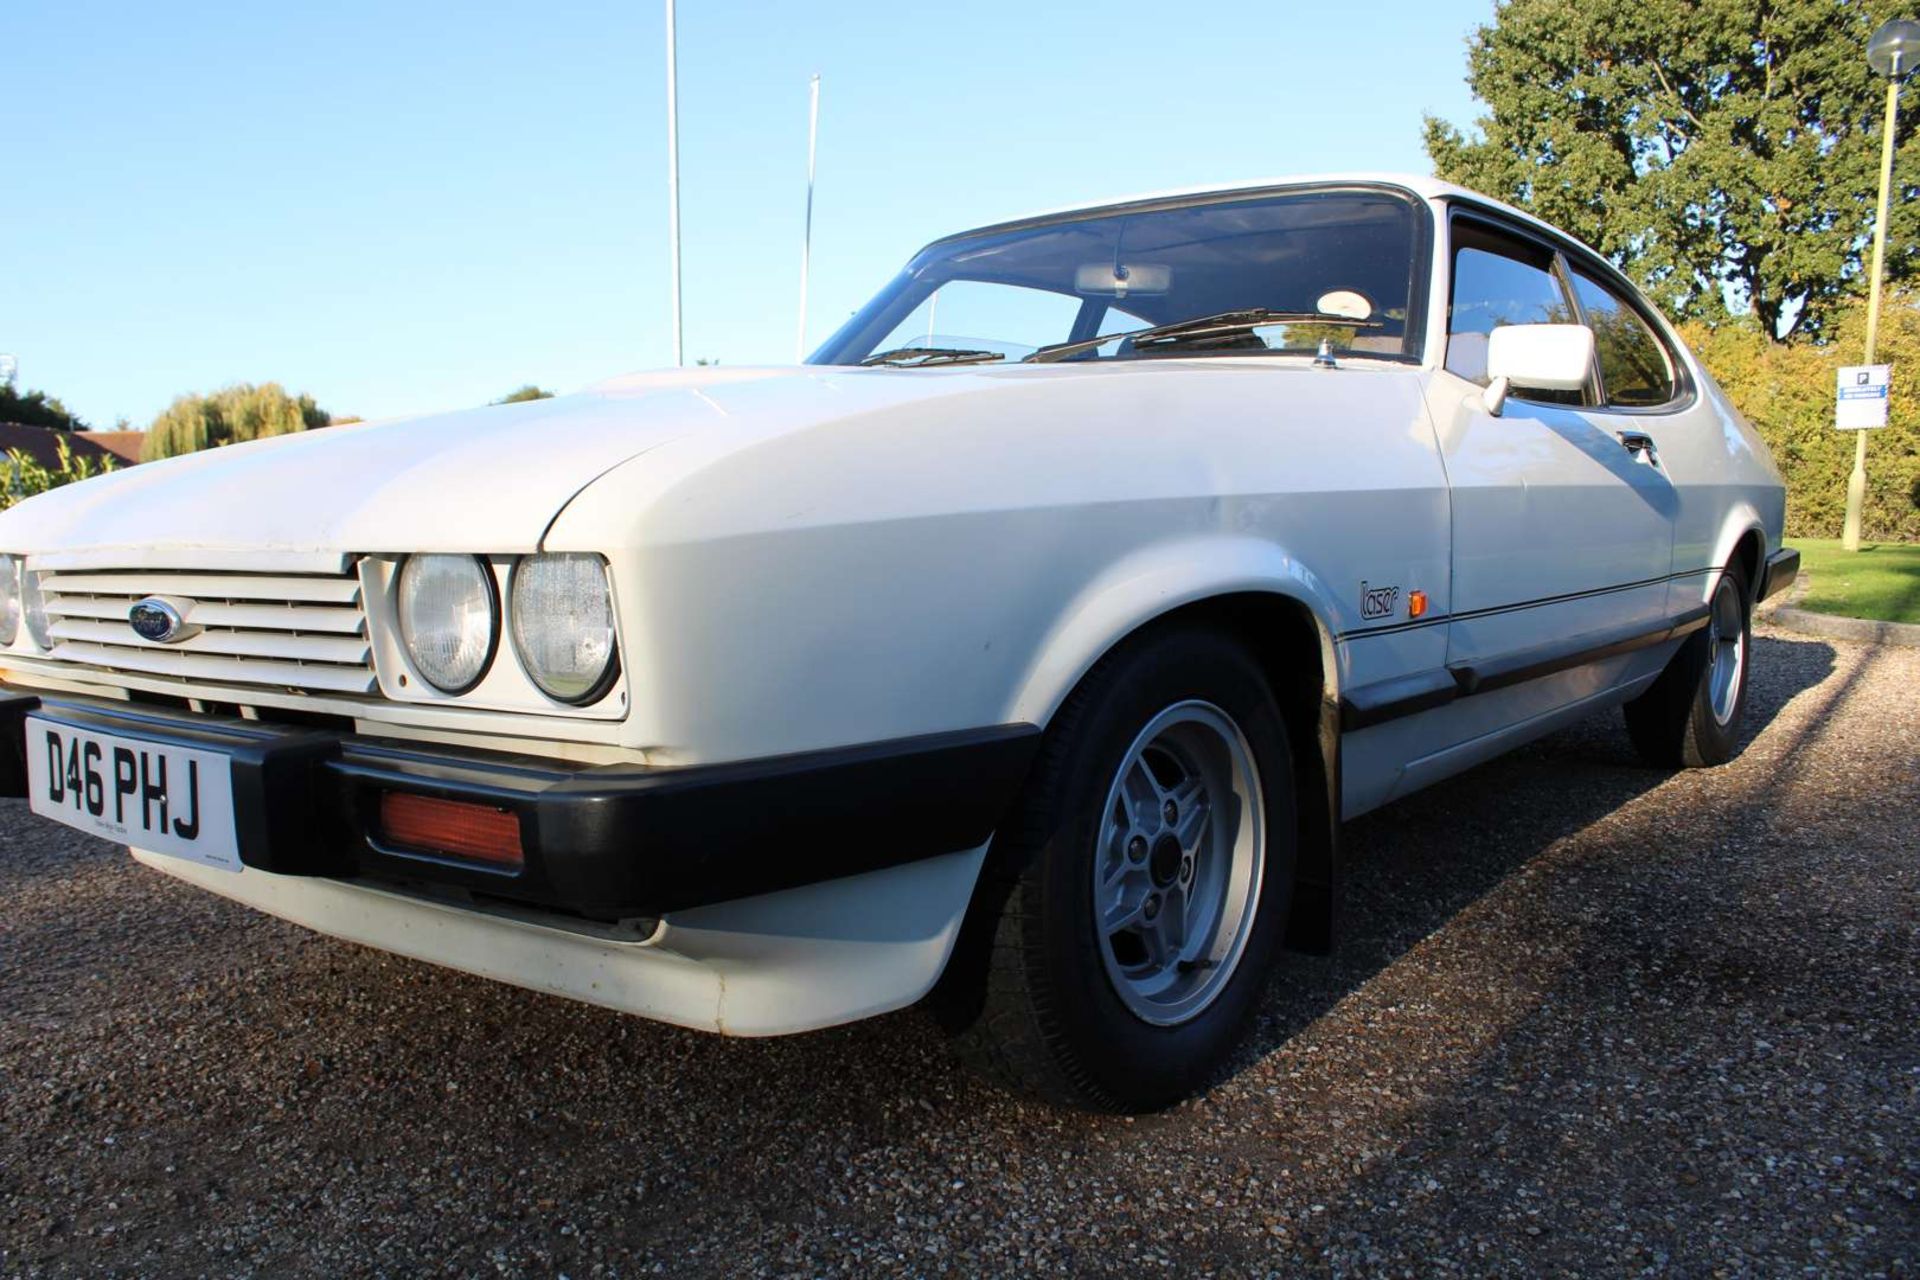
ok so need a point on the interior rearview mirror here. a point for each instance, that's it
(1537, 357)
(1121, 279)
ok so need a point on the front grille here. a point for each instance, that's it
(305, 632)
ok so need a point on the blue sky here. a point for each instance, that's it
(401, 208)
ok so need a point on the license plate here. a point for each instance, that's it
(164, 799)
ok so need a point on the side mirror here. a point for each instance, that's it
(1542, 357)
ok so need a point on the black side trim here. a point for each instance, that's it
(1584, 595)
(1395, 628)
(1564, 655)
(1783, 566)
(13, 756)
(1384, 700)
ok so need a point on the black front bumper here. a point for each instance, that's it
(605, 842)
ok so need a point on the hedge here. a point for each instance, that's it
(1786, 392)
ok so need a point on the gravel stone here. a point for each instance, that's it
(1586, 1018)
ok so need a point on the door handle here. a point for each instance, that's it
(1640, 445)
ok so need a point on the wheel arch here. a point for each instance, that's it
(1282, 612)
(1744, 543)
(1153, 585)
(1749, 552)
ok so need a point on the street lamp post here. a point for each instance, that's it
(673, 179)
(806, 236)
(1892, 52)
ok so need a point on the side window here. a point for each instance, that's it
(1634, 366)
(961, 313)
(1499, 281)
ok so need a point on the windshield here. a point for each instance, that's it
(1340, 263)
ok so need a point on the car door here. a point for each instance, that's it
(1562, 528)
(1647, 393)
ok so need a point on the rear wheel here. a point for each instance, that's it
(1690, 717)
(1133, 905)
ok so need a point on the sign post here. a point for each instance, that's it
(1860, 397)
(1890, 53)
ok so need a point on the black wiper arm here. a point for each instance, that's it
(1200, 327)
(914, 357)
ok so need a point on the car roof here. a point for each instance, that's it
(1420, 185)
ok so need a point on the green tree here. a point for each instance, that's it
(36, 409)
(21, 477)
(528, 392)
(228, 416)
(1716, 149)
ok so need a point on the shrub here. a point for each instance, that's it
(22, 477)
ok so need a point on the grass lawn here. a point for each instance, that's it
(1879, 581)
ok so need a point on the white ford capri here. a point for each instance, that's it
(1026, 647)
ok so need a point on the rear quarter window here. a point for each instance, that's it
(1635, 365)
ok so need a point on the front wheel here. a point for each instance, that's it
(1132, 907)
(1690, 717)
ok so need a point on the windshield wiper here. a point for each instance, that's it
(1226, 322)
(916, 357)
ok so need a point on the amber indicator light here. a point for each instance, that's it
(425, 824)
(1416, 604)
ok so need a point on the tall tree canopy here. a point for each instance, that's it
(229, 416)
(1721, 151)
(36, 409)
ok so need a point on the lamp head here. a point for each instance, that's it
(1895, 48)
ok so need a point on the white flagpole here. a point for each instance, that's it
(673, 180)
(806, 241)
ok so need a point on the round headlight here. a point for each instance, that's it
(33, 606)
(9, 600)
(449, 619)
(562, 615)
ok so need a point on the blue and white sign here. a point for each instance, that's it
(1860, 401)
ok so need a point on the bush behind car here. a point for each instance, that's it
(1786, 391)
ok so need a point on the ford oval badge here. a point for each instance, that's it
(157, 620)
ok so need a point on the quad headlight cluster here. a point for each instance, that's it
(559, 615)
(21, 600)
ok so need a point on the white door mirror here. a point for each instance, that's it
(1538, 357)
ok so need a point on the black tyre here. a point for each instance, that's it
(1132, 905)
(1690, 717)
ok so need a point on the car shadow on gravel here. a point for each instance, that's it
(1597, 1029)
(1417, 863)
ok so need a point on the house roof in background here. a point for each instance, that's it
(42, 444)
(124, 445)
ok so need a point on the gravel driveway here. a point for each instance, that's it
(1587, 1018)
